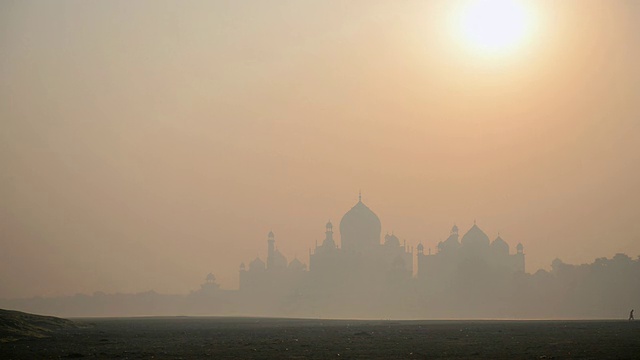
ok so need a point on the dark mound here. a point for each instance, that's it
(16, 325)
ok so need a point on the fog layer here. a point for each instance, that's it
(144, 144)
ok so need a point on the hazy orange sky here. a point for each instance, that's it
(144, 144)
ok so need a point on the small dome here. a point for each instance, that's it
(420, 247)
(451, 243)
(257, 265)
(391, 240)
(500, 246)
(271, 235)
(297, 265)
(329, 225)
(475, 236)
(242, 267)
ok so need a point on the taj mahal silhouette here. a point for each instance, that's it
(365, 266)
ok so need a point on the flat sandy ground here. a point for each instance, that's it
(254, 338)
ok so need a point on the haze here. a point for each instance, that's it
(145, 144)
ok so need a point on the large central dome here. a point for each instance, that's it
(360, 229)
(475, 237)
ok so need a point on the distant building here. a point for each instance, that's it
(473, 254)
(363, 262)
(274, 276)
(361, 256)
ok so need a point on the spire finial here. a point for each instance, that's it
(359, 195)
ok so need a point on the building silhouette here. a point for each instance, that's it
(365, 265)
(276, 276)
(474, 248)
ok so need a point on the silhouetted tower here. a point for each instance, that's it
(328, 240)
(420, 249)
(520, 248)
(211, 279)
(271, 248)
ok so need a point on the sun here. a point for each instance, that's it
(494, 27)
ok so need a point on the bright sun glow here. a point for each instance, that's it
(495, 26)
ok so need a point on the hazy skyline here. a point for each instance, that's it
(145, 144)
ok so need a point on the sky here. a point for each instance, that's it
(145, 144)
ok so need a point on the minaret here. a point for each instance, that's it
(270, 249)
(328, 240)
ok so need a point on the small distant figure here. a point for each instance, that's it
(631, 315)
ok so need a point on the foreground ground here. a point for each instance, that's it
(253, 338)
(16, 325)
